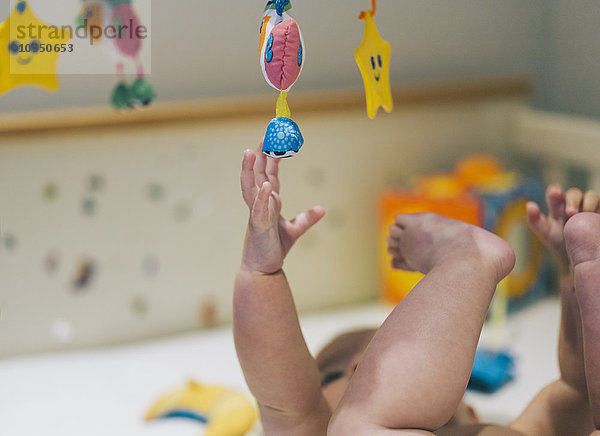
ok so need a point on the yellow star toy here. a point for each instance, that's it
(373, 59)
(29, 50)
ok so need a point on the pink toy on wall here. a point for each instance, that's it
(98, 16)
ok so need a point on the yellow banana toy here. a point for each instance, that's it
(224, 412)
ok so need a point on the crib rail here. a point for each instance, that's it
(560, 141)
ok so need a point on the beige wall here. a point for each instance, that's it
(346, 161)
(573, 63)
(209, 47)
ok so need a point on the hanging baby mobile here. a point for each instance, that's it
(123, 44)
(281, 60)
(29, 50)
(373, 59)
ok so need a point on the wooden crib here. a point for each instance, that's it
(119, 227)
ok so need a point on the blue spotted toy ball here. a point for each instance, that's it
(283, 138)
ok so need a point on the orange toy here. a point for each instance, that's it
(434, 194)
(480, 192)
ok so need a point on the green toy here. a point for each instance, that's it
(116, 22)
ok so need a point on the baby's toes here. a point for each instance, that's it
(537, 221)
(396, 231)
(404, 220)
(591, 201)
(533, 213)
(582, 238)
(398, 262)
(393, 245)
(556, 201)
(574, 198)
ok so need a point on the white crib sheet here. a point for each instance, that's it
(107, 391)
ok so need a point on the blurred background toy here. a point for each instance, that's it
(281, 59)
(491, 370)
(224, 412)
(98, 16)
(480, 192)
(29, 57)
(373, 59)
(441, 194)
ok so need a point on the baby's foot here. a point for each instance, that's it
(561, 206)
(418, 242)
(550, 228)
(582, 239)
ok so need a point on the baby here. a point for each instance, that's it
(409, 376)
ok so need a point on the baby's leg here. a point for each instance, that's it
(582, 237)
(415, 371)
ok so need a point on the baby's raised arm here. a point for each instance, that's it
(279, 369)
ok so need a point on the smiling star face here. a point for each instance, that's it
(17, 51)
(24, 55)
(373, 59)
(376, 66)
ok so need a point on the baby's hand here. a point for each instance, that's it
(560, 208)
(269, 236)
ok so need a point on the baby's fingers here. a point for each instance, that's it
(306, 220)
(260, 209)
(260, 167)
(591, 201)
(249, 188)
(574, 197)
(273, 173)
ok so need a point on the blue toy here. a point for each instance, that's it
(505, 211)
(491, 371)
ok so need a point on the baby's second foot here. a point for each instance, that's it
(582, 239)
(418, 242)
(550, 228)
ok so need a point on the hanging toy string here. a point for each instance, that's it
(374, 5)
